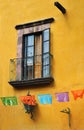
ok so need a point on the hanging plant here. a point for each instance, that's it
(29, 103)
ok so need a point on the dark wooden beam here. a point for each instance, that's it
(32, 82)
(60, 7)
(35, 23)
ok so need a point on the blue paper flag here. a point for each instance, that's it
(45, 98)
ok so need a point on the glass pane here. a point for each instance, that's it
(30, 61)
(31, 40)
(30, 51)
(46, 47)
(45, 71)
(45, 59)
(46, 35)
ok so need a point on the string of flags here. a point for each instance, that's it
(42, 98)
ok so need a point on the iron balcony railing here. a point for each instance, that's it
(39, 66)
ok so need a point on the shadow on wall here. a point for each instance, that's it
(32, 111)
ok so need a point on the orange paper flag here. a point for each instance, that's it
(78, 93)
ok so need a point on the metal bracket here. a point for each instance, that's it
(67, 111)
(29, 109)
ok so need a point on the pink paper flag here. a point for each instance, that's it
(62, 97)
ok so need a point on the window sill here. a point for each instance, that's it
(32, 82)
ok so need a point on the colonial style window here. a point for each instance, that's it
(33, 63)
(36, 55)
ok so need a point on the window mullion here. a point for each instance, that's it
(34, 58)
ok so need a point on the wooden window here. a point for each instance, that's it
(36, 63)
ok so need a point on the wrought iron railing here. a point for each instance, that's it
(39, 66)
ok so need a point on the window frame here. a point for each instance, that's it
(30, 28)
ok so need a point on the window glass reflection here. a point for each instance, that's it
(46, 35)
(45, 71)
(45, 59)
(29, 61)
(30, 40)
(46, 47)
(30, 51)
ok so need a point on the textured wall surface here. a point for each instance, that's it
(67, 48)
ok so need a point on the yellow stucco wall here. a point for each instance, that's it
(68, 63)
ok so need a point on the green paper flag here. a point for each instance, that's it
(9, 101)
